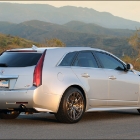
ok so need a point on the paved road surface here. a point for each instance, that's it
(98, 125)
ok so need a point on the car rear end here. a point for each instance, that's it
(20, 74)
(31, 80)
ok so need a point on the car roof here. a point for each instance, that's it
(65, 49)
(70, 49)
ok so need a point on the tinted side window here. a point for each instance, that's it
(19, 59)
(85, 59)
(109, 62)
(67, 60)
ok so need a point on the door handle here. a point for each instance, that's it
(85, 75)
(112, 77)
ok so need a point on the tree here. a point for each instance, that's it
(54, 43)
(134, 41)
(3, 42)
(16, 40)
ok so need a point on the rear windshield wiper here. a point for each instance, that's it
(3, 65)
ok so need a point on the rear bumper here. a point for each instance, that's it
(33, 98)
(10, 99)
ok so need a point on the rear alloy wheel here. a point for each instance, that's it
(72, 106)
(9, 114)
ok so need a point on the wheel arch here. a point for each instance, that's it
(81, 89)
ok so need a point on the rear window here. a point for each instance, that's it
(19, 59)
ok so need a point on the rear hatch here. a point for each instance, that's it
(17, 69)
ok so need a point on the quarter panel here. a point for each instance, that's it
(55, 81)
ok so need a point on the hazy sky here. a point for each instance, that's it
(126, 9)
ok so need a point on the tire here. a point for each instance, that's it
(72, 106)
(9, 114)
(138, 110)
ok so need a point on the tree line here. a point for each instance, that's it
(134, 41)
(9, 42)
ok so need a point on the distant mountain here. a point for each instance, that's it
(74, 33)
(6, 26)
(30, 29)
(96, 29)
(18, 13)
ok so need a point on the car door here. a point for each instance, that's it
(123, 85)
(92, 77)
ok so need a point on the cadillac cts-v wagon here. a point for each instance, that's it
(65, 82)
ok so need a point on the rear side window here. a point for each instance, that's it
(19, 59)
(85, 59)
(67, 60)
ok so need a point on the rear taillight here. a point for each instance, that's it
(37, 77)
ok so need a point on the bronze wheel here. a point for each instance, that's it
(72, 106)
(75, 105)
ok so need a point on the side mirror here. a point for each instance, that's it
(129, 67)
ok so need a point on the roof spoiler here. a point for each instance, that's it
(34, 47)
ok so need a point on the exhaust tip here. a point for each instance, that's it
(23, 107)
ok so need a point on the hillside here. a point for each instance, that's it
(62, 15)
(10, 42)
(40, 27)
(117, 46)
(74, 33)
(96, 29)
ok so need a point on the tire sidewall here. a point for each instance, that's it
(66, 95)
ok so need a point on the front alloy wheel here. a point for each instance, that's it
(72, 106)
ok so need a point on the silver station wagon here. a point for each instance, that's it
(65, 82)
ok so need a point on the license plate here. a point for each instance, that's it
(4, 83)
